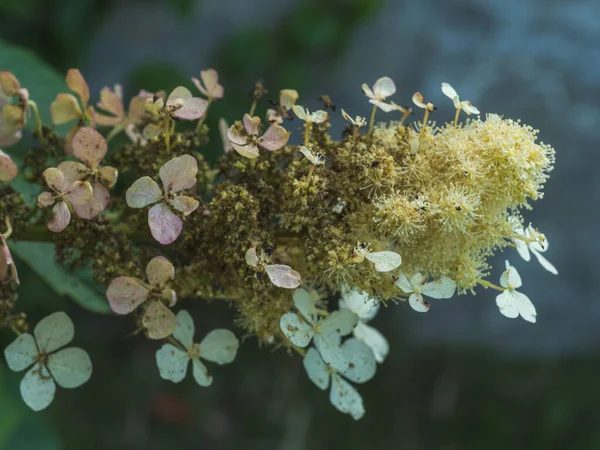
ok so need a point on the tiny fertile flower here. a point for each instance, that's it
(280, 275)
(385, 261)
(308, 117)
(511, 303)
(8, 168)
(65, 194)
(317, 160)
(126, 294)
(361, 368)
(366, 308)
(416, 287)
(176, 175)
(383, 88)
(357, 122)
(69, 367)
(180, 105)
(538, 244)
(111, 101)
(209, 84)
(90, 147)
(466, 106)
(247, 140)
(219, 346)
(326, 333)
(66, 108)
(287, 99)
(12, 116)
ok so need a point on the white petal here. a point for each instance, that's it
(404, 284)
(331, 352)
(300, 112)
(251, 257)
(345, 398)
(374, 339)
(507, 303)
(201, 373)
(385, 107)
(172, 363)
(359, 303)
(522, 249)
(442, 288)
(305, 302)
(319, 116)
(510, 277)
(71, 367)
(385, 261)
(525, 307)
(38, 388)
(367, 90)
(418, 303)
(283, 276)
(449, 91)
(362, 365)
(384, 87)
(340, 322)
(21, 353)
(219, 346)
(544, 262)
(469, 108)
(53, 332)
(316, 369)
(184, 331)
(296, 330)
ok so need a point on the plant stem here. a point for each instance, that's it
(306, 133)
(38, 121)
(487, 284)
(167, 133)
(253, 107)
(372, 120)
(456, 116)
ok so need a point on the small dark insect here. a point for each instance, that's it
(458, 208)
(259, 276)
(327, 102)
(375, 164)
(269, 251)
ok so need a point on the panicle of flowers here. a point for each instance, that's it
(126, 294)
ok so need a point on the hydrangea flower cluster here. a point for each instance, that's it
(391, 212)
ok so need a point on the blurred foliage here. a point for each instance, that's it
(442, 398)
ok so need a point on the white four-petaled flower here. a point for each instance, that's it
(366, 308)
(465, 105)
(219, 346)
(416, 287)
(384, 261)
(511, 303)
(383, 88)
(538, 244)
(308, 117)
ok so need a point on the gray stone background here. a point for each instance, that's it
(536, 60)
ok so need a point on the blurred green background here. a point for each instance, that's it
(462, 377)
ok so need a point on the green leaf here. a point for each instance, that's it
(40, 257)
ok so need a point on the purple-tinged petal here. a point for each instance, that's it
(46, 199)
(89, 146)
(73, 171)
(159, 320)
(192, 109)
(61, 216)
(274, 138)
(79, 193)
(160, 271)
(143, 192)
(90, 208)
(251, 124)
(164, 225)
(184, 204)
(125, 295)
(179, 173)
(8, 169)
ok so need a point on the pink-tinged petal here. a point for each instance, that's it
(178, 97)
(164, 225)
(89, 146)
(4, 262)
(192, 109)
(235, 137)
(160, 271)
(159, 321)
(109, 175)
(46, 199)
(143, 192)
(136, 112)
(274, 138)
(108, 121)
(73, 171)
(210, 84)
(179, 173)
(184, 204)
(65, 109)
(251, 124)
(9, 85)
(9, 134)
(384, 87)
(283, 276)
(111, 102)
(125, 295)
(90, 208)
(8, 168)
(79, 193)
(55, 179)
(77, 84)
(61, 216)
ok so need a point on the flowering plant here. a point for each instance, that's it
(305, 241)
